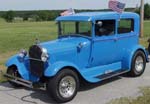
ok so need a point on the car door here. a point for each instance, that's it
(127, 35)
(104, 50)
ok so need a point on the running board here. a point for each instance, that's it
(112, 74)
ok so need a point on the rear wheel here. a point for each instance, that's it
(13, 72)
(64, 86)
(138, 64)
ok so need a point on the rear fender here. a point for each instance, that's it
(53, 69)
(127, 59)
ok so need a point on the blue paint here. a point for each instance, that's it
(89, 56)
(23, 68)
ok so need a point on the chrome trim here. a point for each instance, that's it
(33, 59)
(25, 83)
(67, 86)
(139, 64)
(16, 78)
(19, 81)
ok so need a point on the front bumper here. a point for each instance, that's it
(19, 81)
(25, 83)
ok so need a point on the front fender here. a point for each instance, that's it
(56, 67)
(127, 59)
(14, 60)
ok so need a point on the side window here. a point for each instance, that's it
(105, 27)
(85, 28)
(68, 27)
(126, 26)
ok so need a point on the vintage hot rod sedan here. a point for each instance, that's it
(93, 46)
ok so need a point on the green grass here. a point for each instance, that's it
(2, 20)
(143, 40)
(144, 99)
(14, 36)
(147, 29)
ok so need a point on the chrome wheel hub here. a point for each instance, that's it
(139, 64)
(67, 86)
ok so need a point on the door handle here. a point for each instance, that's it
(80, 46)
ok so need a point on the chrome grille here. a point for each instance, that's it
(36, 65)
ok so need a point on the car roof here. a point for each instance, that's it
(92, 16)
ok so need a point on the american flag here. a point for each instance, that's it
(70, 11)
(116, 6)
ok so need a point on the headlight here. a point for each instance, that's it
(44, 56)
(22, 53)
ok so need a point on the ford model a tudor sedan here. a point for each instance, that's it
(92, 46)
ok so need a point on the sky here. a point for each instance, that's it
(60, 4)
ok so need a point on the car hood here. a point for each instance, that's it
(64, 44)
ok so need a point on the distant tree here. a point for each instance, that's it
(52, 15)
(26, 16)
(147, 11)
(34, 18)
(9, 16)
(43, 15)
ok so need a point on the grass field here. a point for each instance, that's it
(147, 28)
(14, 36)
(2, 20)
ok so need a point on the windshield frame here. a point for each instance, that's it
(75, 34)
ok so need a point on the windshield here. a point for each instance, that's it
(75, 28)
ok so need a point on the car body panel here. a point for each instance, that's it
(23, 68)
(90, 74)
(67, 50)
(102, 52)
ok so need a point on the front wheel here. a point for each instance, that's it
(64, 86)
(138, 64)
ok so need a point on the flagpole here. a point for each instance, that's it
(142, 18)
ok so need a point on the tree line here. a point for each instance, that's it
(146, 11)
(50, 15)
(39, 15)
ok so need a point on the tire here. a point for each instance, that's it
(14, 72)
(138, 64)
(64, 80)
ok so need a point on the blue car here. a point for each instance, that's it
(92, 46)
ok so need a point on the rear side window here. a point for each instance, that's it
(126, 26)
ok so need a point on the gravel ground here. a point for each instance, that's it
(100, 93)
